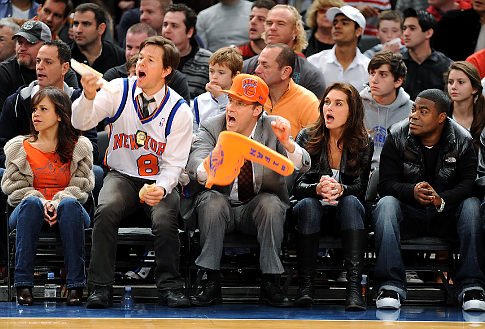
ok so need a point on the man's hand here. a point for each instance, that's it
(153, 196)
(50, 213)
(425, 194)
(282, 129)
(90, 84)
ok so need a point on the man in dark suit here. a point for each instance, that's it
(257, 209)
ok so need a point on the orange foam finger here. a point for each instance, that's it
(225, 161)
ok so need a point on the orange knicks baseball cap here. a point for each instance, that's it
(249, 88)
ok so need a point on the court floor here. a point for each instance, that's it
(235, 316)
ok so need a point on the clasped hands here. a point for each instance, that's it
(329, 189)
(425, 194)
(50, 213)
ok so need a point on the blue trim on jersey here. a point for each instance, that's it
(168, 127)
(196, 110)
(123, 102)
(159, 109)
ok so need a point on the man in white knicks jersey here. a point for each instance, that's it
(150, 138)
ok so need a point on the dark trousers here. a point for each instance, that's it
(118, 199)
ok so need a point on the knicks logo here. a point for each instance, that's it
(249, 87)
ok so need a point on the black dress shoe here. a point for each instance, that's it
(74, 297)
(208, 293)
(174, 298)
(24, 296)
(271, 293)
(101, 297)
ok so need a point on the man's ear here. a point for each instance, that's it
(101, 28)
(190, 32)
(398, 82)
(442, 117)
(428, 34)
(257, 110)
(166, 71)
(285, 72)
(64, 68)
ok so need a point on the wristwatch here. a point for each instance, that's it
(442, 206)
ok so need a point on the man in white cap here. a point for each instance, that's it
(344, 62)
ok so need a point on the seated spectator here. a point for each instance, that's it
(159, 123)
(255, 203)
(90, 47)
(134, 37)
(480, 182)
(438, 7)
(344, 62)
(259, 12)
(287, 99)
(19, 71)
(423, 194)
(18, 9)
(426, 67)
(389, 33)
(385, 101)
(370, 9)
(468, 104)
(331, 193)
(179, 27)
(54, 13)
(224, 65)
(224, 24)
(7, 44)
(478, 60)
(460, 33)
(320, 34)
(48, 177)
(284, 25)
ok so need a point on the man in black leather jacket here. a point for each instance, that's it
(427, 172)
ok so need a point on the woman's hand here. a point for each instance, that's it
(329, 189)
(50, 213)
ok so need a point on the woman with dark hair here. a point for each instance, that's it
(48, 177)
(331, 193)
(468, 103)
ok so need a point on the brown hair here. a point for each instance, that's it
(67, 136)
(354, 137)
(228, 56)
(171, 57)
(471, 72)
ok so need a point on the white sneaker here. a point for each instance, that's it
(388, 299)
(413, 277)
(474, 300)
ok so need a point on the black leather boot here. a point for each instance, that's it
(307, 247)
(354, 243)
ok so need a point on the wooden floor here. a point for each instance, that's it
(55, 323)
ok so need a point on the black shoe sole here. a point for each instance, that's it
(304, 301)
(214, 301)
(355, 308)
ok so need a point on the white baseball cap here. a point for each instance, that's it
(348, 11)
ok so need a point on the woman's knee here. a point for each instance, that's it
(308, 215)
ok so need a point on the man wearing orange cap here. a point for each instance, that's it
(255, 203)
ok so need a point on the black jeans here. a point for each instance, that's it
(118, 199)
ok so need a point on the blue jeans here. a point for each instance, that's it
(347, 215)
(28, 219)
(391, 217)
